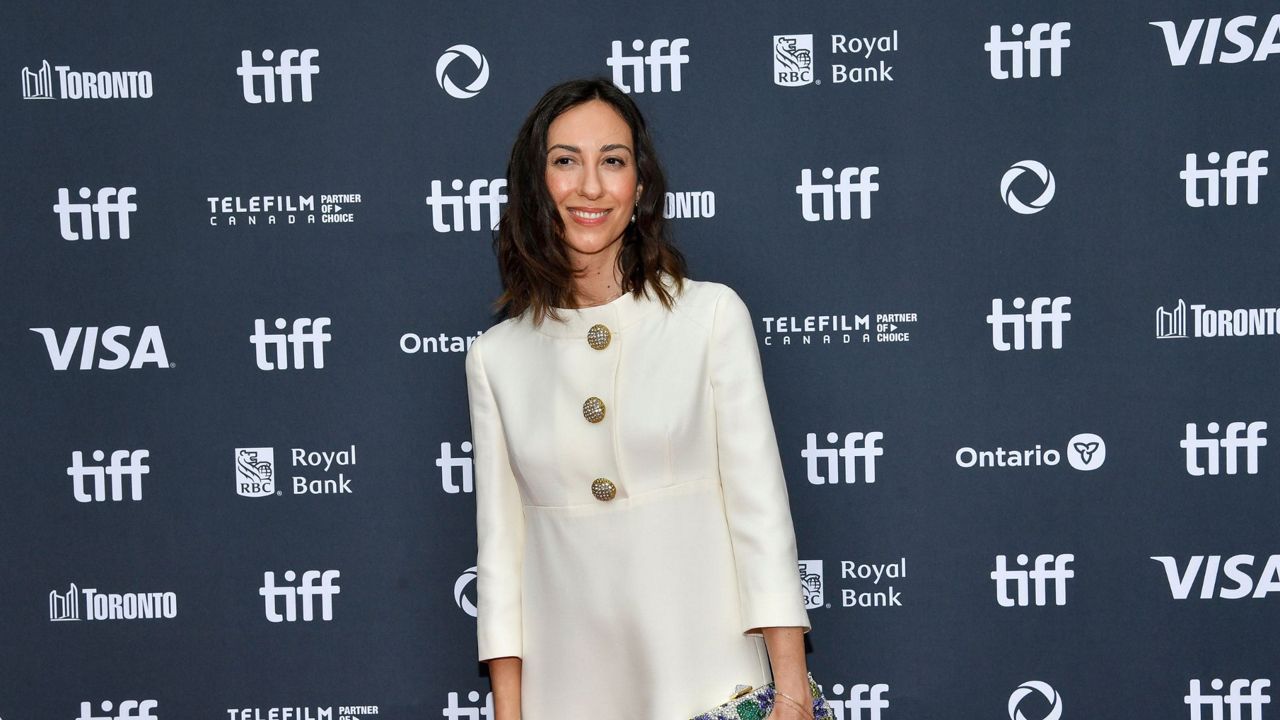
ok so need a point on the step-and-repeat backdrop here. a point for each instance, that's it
(1013, 269)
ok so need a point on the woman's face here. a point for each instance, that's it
(591, 175)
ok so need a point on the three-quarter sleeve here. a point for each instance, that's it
(499, 522)
(755, 491)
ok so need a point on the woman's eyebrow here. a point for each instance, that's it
(603, 148)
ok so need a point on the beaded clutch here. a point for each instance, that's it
(750, 703)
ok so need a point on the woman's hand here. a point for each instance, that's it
(784, 709)
(790, 673)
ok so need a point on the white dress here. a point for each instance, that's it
(639, 606)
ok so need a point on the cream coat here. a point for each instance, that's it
(642, 607)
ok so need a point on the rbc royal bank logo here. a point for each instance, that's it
(445, 81)
(792, 60)
(811, 583)
(1045, 691)
(255, 471)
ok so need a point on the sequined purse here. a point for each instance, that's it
(750, 703)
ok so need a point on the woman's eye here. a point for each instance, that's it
(563, 160)
(616, 161)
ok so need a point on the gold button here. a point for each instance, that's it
(603, 489)
(598, 337)
(593, 409)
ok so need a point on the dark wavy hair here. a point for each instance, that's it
(533, 261)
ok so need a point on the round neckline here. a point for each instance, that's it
(588, 308)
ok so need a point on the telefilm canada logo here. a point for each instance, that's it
(77, 604)
(311, 472)
(884, 328)
(305, 712)
(852, 59)
(1209, 322)
(60, 82)
(247, 211)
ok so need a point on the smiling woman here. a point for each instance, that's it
(636, 557)
(585, 188)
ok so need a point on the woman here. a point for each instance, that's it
(636, 552)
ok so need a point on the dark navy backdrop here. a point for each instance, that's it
(1127, 553)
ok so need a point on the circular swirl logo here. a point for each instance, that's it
(460, 588)
(1035, 686)
(447, 84)
(1016, 171)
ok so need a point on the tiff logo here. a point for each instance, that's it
(76, 219)
(277, 357)
(447, 463)
(1055, 318)
(1035, 45)
(124, 463)
(293, 63)
(1180, 48)
(1230, 445)
(1214, 179)
(128, 710)
(862, 697)
(850, 451)
(1047, 567)
(1243, 694)
(845, 189)
(480, 194)
(474, 711)
(662, 53)
(305, 593)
